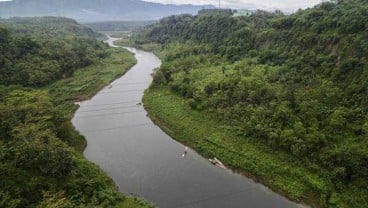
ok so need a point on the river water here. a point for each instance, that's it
(146, 162)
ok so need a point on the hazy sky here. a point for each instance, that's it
(285, 5)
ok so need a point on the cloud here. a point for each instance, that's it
(284, 5)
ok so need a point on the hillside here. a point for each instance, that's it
(295, 83)
(46, 64)
(37, 51)
(94, 10)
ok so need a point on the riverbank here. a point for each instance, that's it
(83, 85)
(87, 82)
(151, 165)
(211, 138)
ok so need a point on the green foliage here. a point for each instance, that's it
(48, 27)
(33, 157)
(213, 138)
(132, 202)
(82, 85)
(297, 83)
(55, 200)
(119, 25)
(40, 161)
(37, 51)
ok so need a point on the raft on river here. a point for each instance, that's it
(217, 162)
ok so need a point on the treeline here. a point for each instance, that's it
(40, 162)
(37, 51)
(298, 83)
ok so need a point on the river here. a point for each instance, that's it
(144, 161)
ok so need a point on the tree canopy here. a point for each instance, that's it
(37, 51)
(298, 82)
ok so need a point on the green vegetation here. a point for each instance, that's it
(37, 51)
(214, 138)
(286, 95)
(133, 41)
(84, 84)
(243, 12)
(40, 160)
(132, 202)
(119, 25)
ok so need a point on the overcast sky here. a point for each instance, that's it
(284, 5)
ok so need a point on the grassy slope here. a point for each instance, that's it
(88, 81)
(84, 84)
(210, 137)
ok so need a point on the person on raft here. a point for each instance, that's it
(185, 152)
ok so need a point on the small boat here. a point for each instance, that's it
(217, 162)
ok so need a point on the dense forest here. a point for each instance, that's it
(37, 51)
(40, 160)
(297, 83)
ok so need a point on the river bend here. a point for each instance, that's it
(146, 162)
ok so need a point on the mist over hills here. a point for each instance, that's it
(95, 10)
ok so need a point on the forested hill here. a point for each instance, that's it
(42, 74)
(298, 83)
(36, 51)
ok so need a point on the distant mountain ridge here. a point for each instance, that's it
(95, 10)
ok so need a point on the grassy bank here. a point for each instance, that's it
(210, 137)
(133, 202)
(88, 81)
